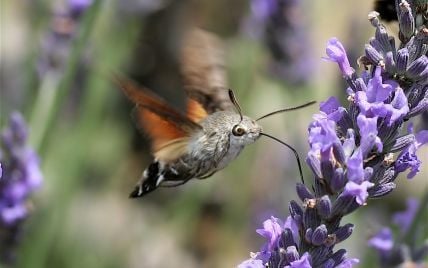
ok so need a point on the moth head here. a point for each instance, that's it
(245, 130)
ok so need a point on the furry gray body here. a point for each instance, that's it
(209, 150)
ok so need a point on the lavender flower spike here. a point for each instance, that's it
(356, 153)
(21, 176)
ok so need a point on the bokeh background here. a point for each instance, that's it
(56, 62)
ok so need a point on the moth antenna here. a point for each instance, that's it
(292, 149)
(287, 109)
(235, 103)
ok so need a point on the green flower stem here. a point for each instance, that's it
(52, 93)
(54, 90)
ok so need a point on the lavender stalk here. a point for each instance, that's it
(356, 153)
(281, 26)
(20, 176)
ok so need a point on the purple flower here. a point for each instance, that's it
(13, 213)
(303, 262)
(293, 226)
(368, 131)
(322, 134)
(252, 263)
(22, 174)
(263, 9)
(282, 29)
(378, 92)
(332, 109)
(355, 167)
(348, 263)
(383, 240)
(398, 107)
(336, 53)
(408, 158)
(77, 7)
(272, 230)
(404, 219)
(359, 191)
(372, 101)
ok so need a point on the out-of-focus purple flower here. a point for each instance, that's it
(404, 219)
(281, 26)
(383, 240)
(21, 176)
(336, 53)
(263, 9)
(78, 7)
(57, 43)
(405, 248)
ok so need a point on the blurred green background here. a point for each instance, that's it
(56, 70)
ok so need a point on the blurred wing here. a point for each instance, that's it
(195, 111)
(203, 70)
(161, 122)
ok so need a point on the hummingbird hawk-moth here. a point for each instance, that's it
(211, 133)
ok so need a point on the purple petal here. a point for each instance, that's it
(349, 143)
(336, 53)
(376, 90)
(348, 263)
(332, 109)
(291, 224)
(303, 262)
(421, 138)
(251, 263)
(355, 167)
(359, 191)
(33, 173)
(368, 132)
(9, 215)
(398, 108)
(322, 134)
(16, 191)
(272, 231)
(408, 158)
(262, 9)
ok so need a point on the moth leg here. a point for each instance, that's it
(206, 176)
(170, 184)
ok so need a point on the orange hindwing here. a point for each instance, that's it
(159, 120)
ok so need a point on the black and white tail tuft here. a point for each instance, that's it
(150, 180)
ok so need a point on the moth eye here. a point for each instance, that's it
(237, 130)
